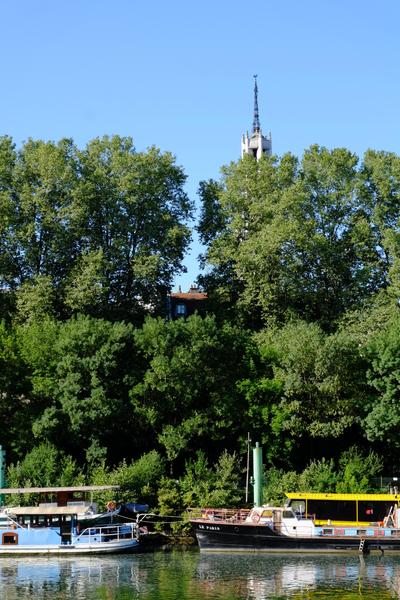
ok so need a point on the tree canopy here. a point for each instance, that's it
(105, 228)
(314, 237)
(299, 344)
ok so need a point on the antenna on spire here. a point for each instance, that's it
(256, 120)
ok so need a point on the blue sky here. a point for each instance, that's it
(178, 75)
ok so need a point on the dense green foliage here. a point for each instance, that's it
(312, 238)
(300, 346)
(353, 473)
(101, 231)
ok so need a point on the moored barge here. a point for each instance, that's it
(65, 525)
(280, 529)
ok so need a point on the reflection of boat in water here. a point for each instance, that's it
(269, 529)
(65, 525)
(283, 576)
(190, 574)
(65, 576)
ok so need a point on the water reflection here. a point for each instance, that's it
(191, 576)
(259, 577)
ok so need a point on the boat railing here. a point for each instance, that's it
(108, 533)
(219, 514)
(305, 516)
(10, 522)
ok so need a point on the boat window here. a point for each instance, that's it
(338, 510)
(326, 531)
(361, 532)
(298, 506)
(266, 513)
(287, 514)
(10, 538)
(343, 510)
(375, 510)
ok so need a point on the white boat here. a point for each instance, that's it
(64, 525)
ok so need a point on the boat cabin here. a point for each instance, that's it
(282, 520)
(345, 509)
(56, 507)
(60, 516)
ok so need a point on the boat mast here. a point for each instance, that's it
(248, 466)
(2, 472)
(258, 476)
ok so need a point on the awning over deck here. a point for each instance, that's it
(44, 510)
(55, 490)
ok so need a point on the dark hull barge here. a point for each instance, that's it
(272, 529)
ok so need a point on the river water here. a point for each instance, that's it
(189, 575)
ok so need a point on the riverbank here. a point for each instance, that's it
(167, 541)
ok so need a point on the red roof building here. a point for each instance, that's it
(183, 304)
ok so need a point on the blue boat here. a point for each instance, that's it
(66, 525)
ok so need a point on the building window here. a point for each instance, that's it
(180, 310)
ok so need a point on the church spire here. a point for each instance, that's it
(257, 144)
(256, 120)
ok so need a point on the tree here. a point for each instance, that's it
(382, 412)
(297, 238)
(221, 284)
(131, 211)
(215, 487)
(81, 373)
(212, 219)
(87, 288)
(137, 479)
(380, 193)
(44, 466)
(105, 227)
(8, 266)
(321, 379)
(352, 472)
(188, 393)
(14, 386)
(39, 239)
(356, 471)
(35, 299)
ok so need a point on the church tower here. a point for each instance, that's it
(257, 144)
